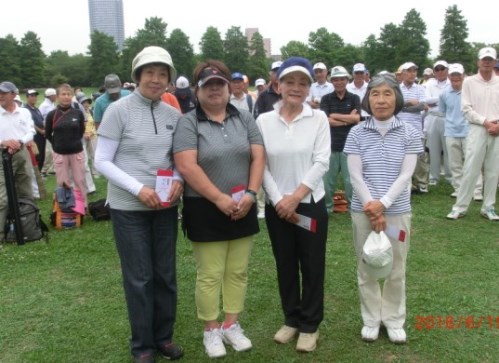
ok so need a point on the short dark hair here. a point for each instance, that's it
(391, 82)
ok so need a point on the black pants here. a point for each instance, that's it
(40, 142)
(299, 250)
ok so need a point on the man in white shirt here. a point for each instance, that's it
(320, 87)
(481, 109)
(359, 85)
(16, 129)
(238, 96)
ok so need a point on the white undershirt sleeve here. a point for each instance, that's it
(104, 156)
(402, 182)
(354, 163)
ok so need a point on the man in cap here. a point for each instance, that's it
(46, 106)
(456, 128)
(320, 87)
(184, 94)
(427, 75)
(434, 121)
(481, 109)
(414, 97)
(238, 97)
(36, 115)
(16, 130)
(260, 86)
(114, 92)
(359, 85)
(267, 98)
(343, 111)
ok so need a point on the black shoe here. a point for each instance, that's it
(144, 358)
(171, 351)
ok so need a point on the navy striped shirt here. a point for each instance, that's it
(382, 158)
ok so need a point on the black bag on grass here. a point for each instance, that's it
(32, 225)
(99, 210)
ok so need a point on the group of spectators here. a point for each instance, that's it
(216, 145)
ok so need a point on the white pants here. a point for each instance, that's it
(481, 150)
(456, 149)
(385, 305)
(436, 145)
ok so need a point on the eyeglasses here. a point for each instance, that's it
(439, 69)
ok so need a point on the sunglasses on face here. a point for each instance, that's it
(439, 69)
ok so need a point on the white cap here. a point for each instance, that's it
(339, 72)
(182, 82)
(153, 54)
(428, 71)
(408, 65)
(50, 92)
(487, 52)
(456, 68)
(259, 82)
(276, 65)
(441, 63)
(18, 99)
(359, 67)
(377, 255)
(320, 65)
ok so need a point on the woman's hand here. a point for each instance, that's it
(286, 207)
(149, 197)
(243, 207)
(374, 210)
(226, 204)
(176, 190)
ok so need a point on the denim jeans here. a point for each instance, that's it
(146, 243)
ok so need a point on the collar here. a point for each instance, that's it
(230, 111)
(306, 111)
(369, 124)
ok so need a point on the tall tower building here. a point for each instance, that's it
(106, 16)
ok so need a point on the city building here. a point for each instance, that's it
(249, 32)
(106, 16)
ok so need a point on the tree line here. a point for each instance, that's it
(24, 62)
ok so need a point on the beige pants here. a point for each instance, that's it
(382, 303)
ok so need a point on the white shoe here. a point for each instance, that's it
(285, 334)
(455, 214)
(423, 189)
(307, 342)
(454, 194)
(432, 182)
(261, 215)
(478, 197)
(213, 343)
(369, 333)
(397, 335)
(234, 335)
(490, 214)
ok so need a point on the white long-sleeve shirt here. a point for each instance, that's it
(480, 99)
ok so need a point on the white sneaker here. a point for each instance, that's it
(490, 214)
(307, 342)
(478, 197)
(369, 333)
(234, 335)
(261, 215)
(432, 182)
(455, 214)
(213, 343)
(397, 335)
(285, 334)
(423, 189)
(454, 194)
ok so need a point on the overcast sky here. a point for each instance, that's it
(64, 24)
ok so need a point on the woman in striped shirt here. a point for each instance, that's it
(381, 156)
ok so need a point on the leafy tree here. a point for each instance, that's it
(153, 33)
(31, 61)
(453, 45)
(61, 68)
(383, 53)
(104, 58)
(10, 66)
(258, 65)
(182, 52)
(295, 48)
(347, 56)
(211, 45)
(323, 46)
(236, 50)
(413, 44)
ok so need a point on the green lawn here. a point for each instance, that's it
(63, 301)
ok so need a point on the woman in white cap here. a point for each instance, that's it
(381, 156)
(134, 152)
(218, 150)
(298, 146)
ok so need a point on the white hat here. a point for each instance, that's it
(18, 99)
(487, 52)
(359, 67)
(259, 82)
(441, 63)
(428, 71)
(50, 92)
(276, 65)
(182, 83)
(339, 72)
(456, 68)
(320, 65)
(153, 54)
(377, 255)
(408, 65)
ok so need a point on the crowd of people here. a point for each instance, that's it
(229, 156)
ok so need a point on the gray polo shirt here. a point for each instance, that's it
(223, 149)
